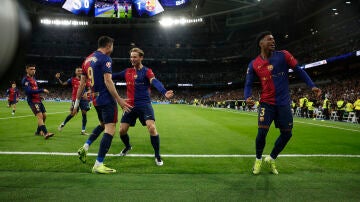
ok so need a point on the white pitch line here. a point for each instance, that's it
(328, 126)
(15, 117)
(182, 155)
(315, 124)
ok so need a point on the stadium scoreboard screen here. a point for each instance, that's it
(79, 7)
(117, 8)
(113, 9)
(145, 8)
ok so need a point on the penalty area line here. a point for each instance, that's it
(182, 155)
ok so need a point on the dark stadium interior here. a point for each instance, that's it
(212, 55)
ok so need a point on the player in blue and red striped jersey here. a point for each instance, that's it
(97, 68)
(34, 100)
(84, 101)
(12, 97)
(272, 67)
(138, 81)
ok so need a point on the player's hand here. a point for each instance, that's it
(317, 91)
(169, 94)
(57, 75)
(249, 101)
(124, 106)
(46, 91)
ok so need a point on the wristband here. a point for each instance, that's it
(76, 104)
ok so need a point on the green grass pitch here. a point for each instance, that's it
(183, 130)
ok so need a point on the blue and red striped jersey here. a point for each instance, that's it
(137, 85)
(94, 67)
(13, 94)
(74, 82)
(273, 75)
(31, 89)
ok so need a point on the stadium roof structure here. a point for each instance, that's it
(234, 12)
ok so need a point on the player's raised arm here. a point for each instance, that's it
(292, 62)
(112, 90)
(57, 76)
(160, 87)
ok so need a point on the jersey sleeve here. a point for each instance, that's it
(249, 81)
(119, 75)
(290, 60)
(28, 89)
(150, 74)
(107, 66)
(156, 83)
(69, 81)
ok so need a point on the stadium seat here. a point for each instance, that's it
(319, 115)
(298, 111)
(334, 116)
(350, 117)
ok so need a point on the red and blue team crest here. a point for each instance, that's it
(108, 64)
(150, 5)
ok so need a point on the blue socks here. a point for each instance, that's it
(280, 143)
(125, 139)
(84, 121)
(43, 129)
(67, 119)
(104, 147)
(95, 134)
(260, 141)
(155, 142)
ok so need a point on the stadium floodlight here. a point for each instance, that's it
(185, 85)
(168, 21)
(42, 81)
(63, 22)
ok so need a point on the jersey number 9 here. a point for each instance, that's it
(90, 74)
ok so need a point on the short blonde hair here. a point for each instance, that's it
(137, 50)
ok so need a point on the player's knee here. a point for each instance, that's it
(286, 133)
(110, 128)
(151, 128)
(123, 131)
(40, 116)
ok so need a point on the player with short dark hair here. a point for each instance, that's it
(138, 81)
(272, 69)
(12, 97)
(34, 100)
(97, 68)
(74, 81)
